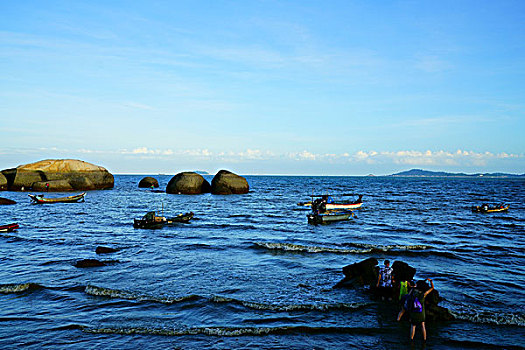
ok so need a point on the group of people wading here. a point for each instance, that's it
(411, 297)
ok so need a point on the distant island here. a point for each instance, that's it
(426, 173)
(201, 172)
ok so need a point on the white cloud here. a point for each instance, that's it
(384, 159)
(445, 158)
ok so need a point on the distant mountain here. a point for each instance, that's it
(426, 173)
(201, 172)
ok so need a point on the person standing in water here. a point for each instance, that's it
(384, 281)
(415, 305)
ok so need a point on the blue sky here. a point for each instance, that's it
(264, 87)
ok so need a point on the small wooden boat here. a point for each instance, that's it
(486, 208)
(9, 227)
(39, 199)
(181, 218)
(152, 221)
(329, 216)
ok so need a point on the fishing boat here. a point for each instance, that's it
(152, 221)
(9, 227)
(181, 218)
(486, 208)
(39, 199)
(330, 204)
(329, 216)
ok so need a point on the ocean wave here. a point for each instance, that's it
(120, 294)
(487, 317)
(290, 247)
(18, 288)
(363, 248)
(290, 307)
(235, 331)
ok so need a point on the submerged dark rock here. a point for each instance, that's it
(226, 182)
(5, 201)
(148, 182)
(105, 250)
(89, 263)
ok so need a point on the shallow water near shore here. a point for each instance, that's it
(250, 272)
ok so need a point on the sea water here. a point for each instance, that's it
(249, 272)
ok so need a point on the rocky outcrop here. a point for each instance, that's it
(403, 271)
(5, 201)
(3, 182)
(226, 182)
(365, 273)
(188, 183)
(58, 175)
(148, 182)
(362, 273)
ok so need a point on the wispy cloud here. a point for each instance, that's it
(438, 158)
(402, 157)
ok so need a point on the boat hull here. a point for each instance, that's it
(332, 206)
(158, 222)
(326, 218)
(39, 199)
(483, 209)
(9, 227)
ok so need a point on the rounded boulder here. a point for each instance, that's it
(148, 182)
(226, 182)
(3, 182)
(188, 183)
(58, 175)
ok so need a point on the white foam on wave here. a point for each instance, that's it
(290, 307)
(367, 248)
(309, 249)
(219, 331)
(487, 317)
(120, 294)
(16, 288)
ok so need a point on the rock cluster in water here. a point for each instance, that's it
(224, 182)
(365, 273)
(148, 182)
(56, 175)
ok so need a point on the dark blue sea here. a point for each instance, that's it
(249, 272)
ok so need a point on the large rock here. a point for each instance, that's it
(403, 271)
(148, 182)
(3, 182)
(226, 182)
(363, 272)
(58, 175)
(188, 183)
